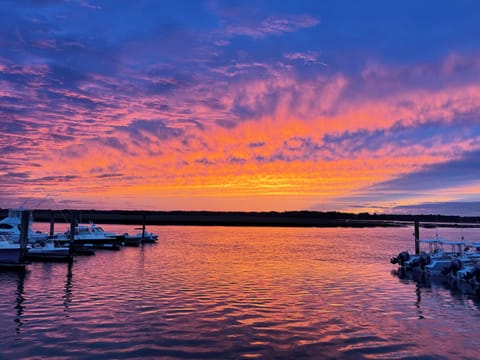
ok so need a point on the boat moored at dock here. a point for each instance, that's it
(91, 236)
(13, 249)
(49, 250)
(147, 237)
(457, 260)
(11, 226)
(10, 252)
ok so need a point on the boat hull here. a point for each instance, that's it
(10, 256)
(101, 245)
(92, 242)
(147, 238)
(49, 255)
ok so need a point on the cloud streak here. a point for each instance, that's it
(437, 176)
(273, 25)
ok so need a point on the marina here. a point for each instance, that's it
(240, 292)
(455, 260)
(19, 244)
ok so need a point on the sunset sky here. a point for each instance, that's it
(241, 105)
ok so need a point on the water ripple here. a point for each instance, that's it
(243, 293)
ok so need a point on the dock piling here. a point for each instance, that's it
(417, 238)
(73, 224)
(24, 223)
(52, 224)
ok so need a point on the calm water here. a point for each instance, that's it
(233, 293)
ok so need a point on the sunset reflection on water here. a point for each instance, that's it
(230, 292)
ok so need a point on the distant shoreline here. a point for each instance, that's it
(266, 219)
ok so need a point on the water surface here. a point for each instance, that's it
(240, 292)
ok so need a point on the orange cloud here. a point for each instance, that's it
(274, 142)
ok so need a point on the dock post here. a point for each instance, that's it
(143, 227)
(24, 223)
(417, 238)
(52, 224)
(73, 224)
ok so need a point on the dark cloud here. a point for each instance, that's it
(141, 129)
(66, 77)
(19, 175)
(462, 208)
(11, 126)
(236, 160)
(296, 148)
(453, 70)
(348, 144)
(112, 142)
(305, 145)
(59, 178)
(62, 137)
(204, 161)
(227, 124)
(107, 176)
(213, 104)
(265, 103)
(458, 172)
(196, 123)
(427, 134)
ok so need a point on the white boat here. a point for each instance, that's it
(473, 250)
(147, 237)
(457, 261)
(10, 252)
(465, 260)
(471, 274)
(433, 258)
(48, 250)
(11, 226)
(432, 249)
(91, 235)
(447, 261)
(440, 256)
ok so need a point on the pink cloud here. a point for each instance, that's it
(162, 142)
(274, 25)
(451, 68)
(306, 57)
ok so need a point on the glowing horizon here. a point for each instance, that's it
(250, 107)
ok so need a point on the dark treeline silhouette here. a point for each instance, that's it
(237, 218)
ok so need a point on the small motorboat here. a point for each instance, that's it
(92, 236)
(142, 237)
(49, 250)
(434, 251)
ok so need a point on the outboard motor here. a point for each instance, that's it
(473, 274)
(420, 261)
(477, 275)
(453, 267)
(401, 258)
(414, 263)
(424, 260)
